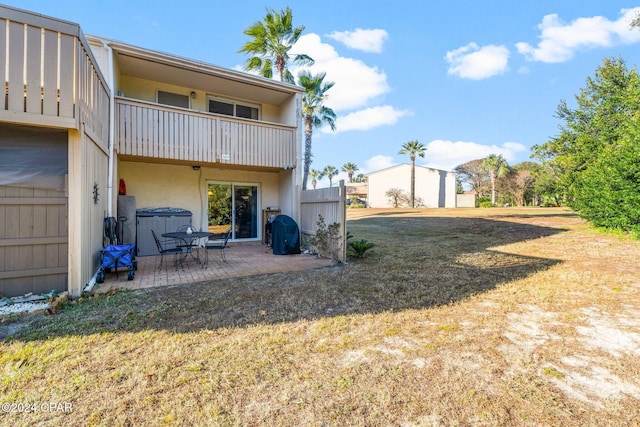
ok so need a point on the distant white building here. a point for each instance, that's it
(435, 188)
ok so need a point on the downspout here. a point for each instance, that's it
(112, 127)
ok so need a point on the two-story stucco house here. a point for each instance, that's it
(81, 113)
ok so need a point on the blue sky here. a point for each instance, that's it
(465, 78)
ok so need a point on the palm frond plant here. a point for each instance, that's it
(271, 41)
(314, 113)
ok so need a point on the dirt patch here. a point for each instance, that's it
(583, 372)
(9, 329)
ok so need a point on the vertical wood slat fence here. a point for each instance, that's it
(33, 240)
(330, 203)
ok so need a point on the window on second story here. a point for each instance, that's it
(232, 108)
(175, 99)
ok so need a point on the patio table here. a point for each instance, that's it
(187, 240)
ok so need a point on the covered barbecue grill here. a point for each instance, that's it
(285, 236)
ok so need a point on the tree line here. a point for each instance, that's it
(496, 183)
(592, 166)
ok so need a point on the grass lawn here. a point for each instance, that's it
(522, 317)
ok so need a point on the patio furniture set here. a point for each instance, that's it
(184, 243)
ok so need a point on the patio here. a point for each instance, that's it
(241, 260)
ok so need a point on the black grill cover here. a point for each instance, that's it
(285, 236)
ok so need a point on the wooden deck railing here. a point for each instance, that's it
(49, 75)
(147, 129)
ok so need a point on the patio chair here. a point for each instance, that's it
(164, 250)
(220, 245)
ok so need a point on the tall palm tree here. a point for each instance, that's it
(315, 175)
(330, 172)
(314, 112)
(413, 149)
(350, 169)
(496, 166)
(270, 43)
(359, 178)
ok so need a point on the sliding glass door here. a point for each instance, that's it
(236, 206)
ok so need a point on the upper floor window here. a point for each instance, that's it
(175, 99)
(232, 108)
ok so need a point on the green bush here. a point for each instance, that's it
(608, 193)
(358, 248)
(595, 156)
(484, 202)
(327, 241)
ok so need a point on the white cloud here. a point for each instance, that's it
(364, 40)
(523, 70)
(559, 41)
(368, 118)
(356, 87)
(477, 63)
(377, 163)
(446, 155)
(356, 83)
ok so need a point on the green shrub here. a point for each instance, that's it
(484, 202)
(608, 192)
(358, 248)
(327, 241)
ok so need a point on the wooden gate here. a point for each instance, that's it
(33, 241)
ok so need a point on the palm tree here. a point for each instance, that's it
(359, 178)
(497, 166)
(350, 169)
(270, 45)
(314, 113)
(315, 175)
(413, 149)
(330, 172)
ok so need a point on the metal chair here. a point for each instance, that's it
(180, 244)
(164, 250)
(220, 245)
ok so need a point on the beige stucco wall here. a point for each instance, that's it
(159, 185)
(291, 113)
(465, 200)
(435, 187)
(146, 90)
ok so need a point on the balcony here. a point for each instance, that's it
(50, 75)
(153, 131)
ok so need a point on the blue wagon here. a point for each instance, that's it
(114, 256)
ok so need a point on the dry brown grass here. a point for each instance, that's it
(457, 317)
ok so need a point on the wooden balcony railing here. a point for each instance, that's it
(151, 130)
(50, 76)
